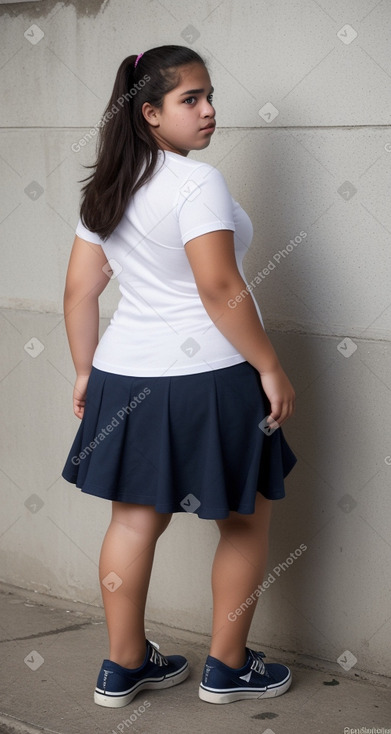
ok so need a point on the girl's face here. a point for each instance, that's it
(179, 126)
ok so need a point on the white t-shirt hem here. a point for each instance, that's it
(170, 371)
(206, 229)
(88, 236)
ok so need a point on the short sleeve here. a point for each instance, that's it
(85, 234)
(205, 204)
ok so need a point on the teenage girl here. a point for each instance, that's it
(182, 400)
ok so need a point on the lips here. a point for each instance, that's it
(211, 126)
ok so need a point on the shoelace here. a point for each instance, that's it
(257, 664)
(156, 657)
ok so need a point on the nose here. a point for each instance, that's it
(209, 110)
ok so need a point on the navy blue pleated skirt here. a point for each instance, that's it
(189, 443)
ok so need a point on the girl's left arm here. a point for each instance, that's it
(85, 281)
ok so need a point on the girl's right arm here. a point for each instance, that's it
(212, 259)
(85, 281)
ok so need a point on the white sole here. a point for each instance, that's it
(219, 696)
(114, 702)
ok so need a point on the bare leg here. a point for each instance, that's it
(128, 551)
(238, 568)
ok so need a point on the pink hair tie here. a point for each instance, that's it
(138, 59)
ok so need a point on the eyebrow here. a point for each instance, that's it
(196, 91)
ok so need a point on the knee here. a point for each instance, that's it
(234, 524)
(256, 524)
(141, 519)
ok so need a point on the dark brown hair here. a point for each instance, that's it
(125, 142)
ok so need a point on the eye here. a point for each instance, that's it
(190, 99)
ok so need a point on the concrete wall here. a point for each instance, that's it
(317, 162)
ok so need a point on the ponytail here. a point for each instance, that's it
(127, 152)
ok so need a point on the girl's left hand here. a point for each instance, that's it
(79, 395)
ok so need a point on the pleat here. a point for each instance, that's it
(189, 443)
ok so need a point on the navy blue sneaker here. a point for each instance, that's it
(221, 684)
(117, 686)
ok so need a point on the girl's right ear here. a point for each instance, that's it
(151, 114)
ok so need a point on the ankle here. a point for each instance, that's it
(231, 659)
(129, 659)
(128, 663)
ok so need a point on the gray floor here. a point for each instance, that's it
(52, 651)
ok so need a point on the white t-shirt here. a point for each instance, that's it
(161, 327)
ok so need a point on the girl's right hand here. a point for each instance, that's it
(79, 395)
(280, 393)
